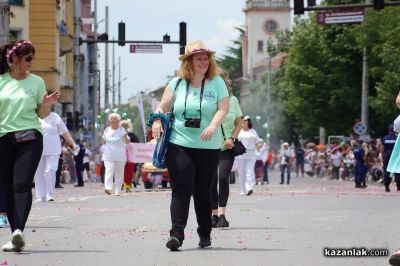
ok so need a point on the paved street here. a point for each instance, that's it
(278, 225)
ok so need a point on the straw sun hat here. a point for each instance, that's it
(194, 48)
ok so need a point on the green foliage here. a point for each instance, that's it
(232, 62)
(133, 114)
(324, 73)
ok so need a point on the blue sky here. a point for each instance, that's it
(211, 21)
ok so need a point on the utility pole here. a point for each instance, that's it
(113, 75)
(365, 84)
(119, 81)
(77, 65)
(106, 74)
(96, 90)
(5, 21)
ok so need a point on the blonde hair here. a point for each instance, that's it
(114, 115)
(225, 76)
(186, 71)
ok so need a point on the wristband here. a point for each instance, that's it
(232, 138)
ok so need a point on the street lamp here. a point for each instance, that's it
(119, 90)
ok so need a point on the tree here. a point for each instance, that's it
(232, 62)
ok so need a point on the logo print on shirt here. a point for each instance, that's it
(29, 91)
(209, 95)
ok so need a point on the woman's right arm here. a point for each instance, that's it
(398, 100)
(163, 107)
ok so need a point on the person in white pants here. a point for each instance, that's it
(45, 178)
(114, 155)
(245, 162)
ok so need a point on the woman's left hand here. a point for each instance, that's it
(208, 133)
(124, 123)
(229, 143)
(49, 100)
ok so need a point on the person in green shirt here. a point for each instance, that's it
(200, 100)
(232, 125)
(23, 100)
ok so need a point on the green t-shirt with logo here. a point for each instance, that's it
(214, 91)
(229, 121)
(18, 101)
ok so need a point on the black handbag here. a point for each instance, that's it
(238, 147)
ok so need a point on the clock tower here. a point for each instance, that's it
(263, 19)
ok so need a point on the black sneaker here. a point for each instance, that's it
(173, 243)
(205, 241)
(222, 222)
(250, 192)
(214, 221)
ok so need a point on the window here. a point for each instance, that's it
(14, 35)
(260, 46)
(16, 2)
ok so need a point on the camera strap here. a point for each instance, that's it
(201, 95)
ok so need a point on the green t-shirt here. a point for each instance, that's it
(214, 91)
(18, 101)
(229, 121)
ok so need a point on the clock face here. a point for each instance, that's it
(270, 26)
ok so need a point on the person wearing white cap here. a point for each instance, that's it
(200, 101)
(246, 162)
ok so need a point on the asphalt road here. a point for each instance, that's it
(277, 225)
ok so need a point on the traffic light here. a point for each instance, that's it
(121, 34)
(166, 38)
(298, 7)
(379, 4)
(182, 37)
(78, 120)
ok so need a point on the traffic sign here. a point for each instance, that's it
(340, 17)
(360, 128)
(146, 48)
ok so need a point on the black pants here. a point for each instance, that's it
(220, 194)
(58, 173)
(283, 168)
(387, 179)
(79, 170)
(2, 200)
(192, 172)
(18, 163)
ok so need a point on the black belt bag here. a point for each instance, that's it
(24, 135)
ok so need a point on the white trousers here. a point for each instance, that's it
(114, 169)
(45, 177)
(247, 176)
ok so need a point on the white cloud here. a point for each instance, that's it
(225, 33)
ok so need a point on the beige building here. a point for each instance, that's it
(48, 23)
(263, 19)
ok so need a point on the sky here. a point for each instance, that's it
(211, 21)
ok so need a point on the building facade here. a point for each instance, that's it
(263, 19)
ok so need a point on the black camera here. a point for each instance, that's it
(192, 122)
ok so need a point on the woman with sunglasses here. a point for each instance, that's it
(23, 100)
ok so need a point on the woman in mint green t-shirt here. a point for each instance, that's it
(200, 100)
(22, 101)
(232, 125)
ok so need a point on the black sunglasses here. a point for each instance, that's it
(29, 58)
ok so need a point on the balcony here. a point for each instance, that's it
(66, 44)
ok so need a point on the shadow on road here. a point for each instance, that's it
(235, 249)
(251, 228)
(61, 251)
